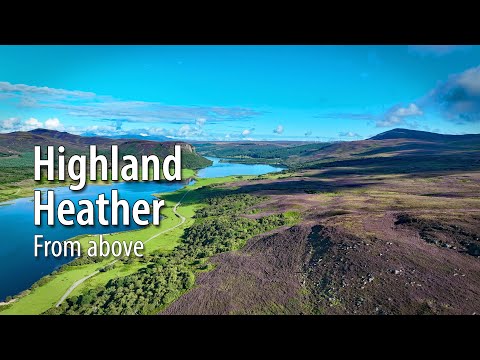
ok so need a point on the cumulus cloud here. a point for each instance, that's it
(33, 123)
(397, 115)
(410, 110)
(247, 132)
(17, 124)
(436, 50)
(10, 124)
(53, 124)
(349, 134)
(309, 133)
(278, 130)
(457, 98)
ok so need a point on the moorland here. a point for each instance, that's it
(387, 225)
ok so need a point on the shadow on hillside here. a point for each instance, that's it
(414, 165)
(427, 148)
(300, 186)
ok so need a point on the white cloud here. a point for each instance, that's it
(53, 124)
(411, 110)
(97, 107)
(94, 130)
(391, 121)
(247, 132)
(200, 121)
(187, 131)
(23, 89)
(397, 115)
(149, 112)
(278, 130)
(10, 124)
(350, 134)
(16, 124)
(308, 133)
(157, 131)
(469, 80)
(457, 98)
(184, 130)
(33, 123)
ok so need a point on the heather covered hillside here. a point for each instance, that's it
(16, 150)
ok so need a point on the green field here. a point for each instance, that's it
(40, 298)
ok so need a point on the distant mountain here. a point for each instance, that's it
(421, 135)
(400, 151)
(17, 143)
(23, 141)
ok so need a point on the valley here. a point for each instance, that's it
(387, 225)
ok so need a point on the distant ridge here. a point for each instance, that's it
(399, 133)
(16, 143)
(64, 136)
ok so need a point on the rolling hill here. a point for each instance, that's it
(16, 150)
(400, 151)
(399, 133)
(397, 150)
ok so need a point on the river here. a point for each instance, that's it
(19, 269)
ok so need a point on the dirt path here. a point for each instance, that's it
(82, 280)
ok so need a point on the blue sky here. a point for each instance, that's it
(240, 92)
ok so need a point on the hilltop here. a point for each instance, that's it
(16, 150)
(24, 141)
(399, 133)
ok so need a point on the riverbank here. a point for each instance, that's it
(25, 188)
(46, 292)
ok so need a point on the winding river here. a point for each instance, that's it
(19, 269)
